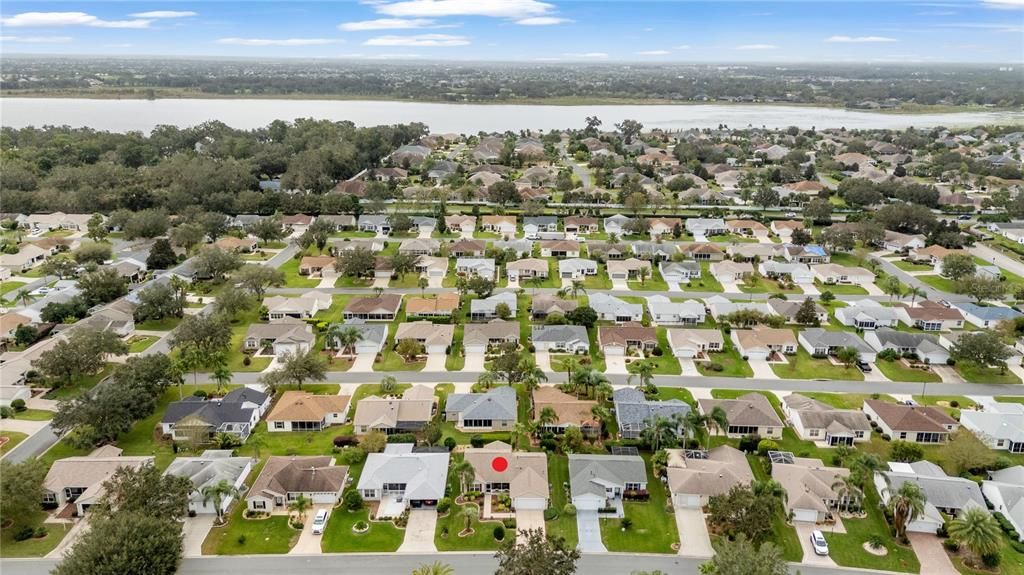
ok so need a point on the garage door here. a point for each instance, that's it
(476, 349)
(685, 500)
(757, 356)
(614, 350)
(809, 515)
(528, 503)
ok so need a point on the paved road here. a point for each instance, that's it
(376, 564)
(33, 445)
(691, 382)
(1002, 260)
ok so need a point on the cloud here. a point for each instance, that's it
(388, 24)
(276, 42)
(36, 39)
(594, 55)
(1004, 4)
(513, 9)
(756, 47)
(654, 53)
(859, 39)
(681, 47)
(431, 40)
(62, 19)
(165, 14)
(983, 26)
(543, 21)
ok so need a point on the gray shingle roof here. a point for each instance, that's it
(497, 403)
(632, 407)
(588, 474)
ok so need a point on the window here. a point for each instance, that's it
(633, 486)
(742, 430)
(278, 425)
(930, 437)
(307, 425)
(813, 432)
(903, 435)
(259, 504)
(49, 497)
(477, 423)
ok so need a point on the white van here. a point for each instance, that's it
(320, 522)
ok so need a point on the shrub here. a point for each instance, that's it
(352, 456)
(991, 560)
(569, 509)
(548, 444)
(41, 532)
(345, 440)
(626, 523)
(200, 393)
(532, 348)
(241, 539)
(951, 545)
(6, 412)
(875, 541)
(450, 443)
(499, 532)
(715, 366)
(24, 533)
(875, 396)
(509, 522)
(444, 505)
(353, 500)
(748, 443)
(550, 514)
(18, 405)
(246, 360)
(954, 403)
(657, 352)
(476, 441)
(950, 362)
(766, 445)
(402, 438)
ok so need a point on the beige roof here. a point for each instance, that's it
(762, 337)
(921, 418)
(527, 472)
(465, 245)
(494, 220)
(679, 336)
(808, 482)
(416, 405)
(561, 245)
(88, 471)
(25, 253)
(532, 264)
(627, 265)
(746, 225)
(724, 468)
(427, 332)
(316, 262)
(232, 243)
(787, 225)
(443, 303)
(386, 302)
(702, 248)
(568, 408)
(283, 475)
(938, 252)
(304, 406)
(11, 321)
(482, 333)
(731, 267)
(839, 270)
(751, 409)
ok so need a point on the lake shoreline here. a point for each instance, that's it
(135, 94)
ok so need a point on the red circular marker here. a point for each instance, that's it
(499, 464)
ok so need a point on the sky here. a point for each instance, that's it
(526, 30)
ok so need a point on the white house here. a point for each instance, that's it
(665, 311)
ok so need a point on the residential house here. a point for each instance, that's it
(376, 223)
(419, 246)
(913, 423)
(525, 479)
(986, 316)
(479, 337)
(487, 309)
(821, 342)
(522, 248)
(616, 225)
(702, 252)
(598, 482)
(867, 314)
(696, 476)
(467, 248)
(9, 324)
(663, 226)
(928, 315)
(809, 483)
(747, 228)
(785, 228)
(244, 245)
(581, 225)
(198, 420)
(679, 272)
(798, 273)
(653, 250)
(544, 305)
(493, 410)
(819, 422)
(287, 478)
(749, 414)
(665, 311)
(902, 243)
(924, 347)
(837, 274)
(534, 225)
(28, 257)
(945, 496)
(477, 267)
(442, 305)
(40, 223)
(576, 268)
(503, 225)
(404, 476)
(1000, 425)
(611, 308)
(728, 271)
(560, 249)
(339, 245)
(211, 468)
(460, 223)
(695, 343)
(933, 255)
(317, 266)
(408, 413)
(628, 269)
(764, 343)
(569, 411)
(432, 268)
(282, 337)
(1005, 491)
(789, 308)
(635, 413)
(436, 338)
(703, 227)
(626, 338)
(372, 337)
(809, 254)
(81, 480)
(302, 307)
(523, 269)
(747, 252)
(720, 306)
(560, 338)
(382, 308)
(340, 221)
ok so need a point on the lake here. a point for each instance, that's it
(143, 115)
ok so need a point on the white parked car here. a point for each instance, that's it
(320, 522)
(819, 543)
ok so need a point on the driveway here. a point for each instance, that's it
(872, 289)
(875, 374)
(990, 255)
(947, 373)
(810, 289)
(762, 369)
(622, 285)
(435, 282)
(74, 533)
(530, 519)
(589, 528)
(730, 287)
(694, 540)
(435, 362)
(194, 531)
(309, 544)
(688, 366)
(381, 282)
(474, 362)
(764, 239)
(363, 363)
(930, 553)
(543, 360)
(803, 533)
(419, 533)
(615, 364)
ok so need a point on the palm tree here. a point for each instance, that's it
(470, 513)
(487, 379)
(914, 292)
(388, 384)
(221, 373)
(435, 568)
(769, 487)
(602, 415)
(218, 492)
(864, 466)
(659, 431)
(693, 422)
(603, 390)
(300, 505)
(642, 274)
(576, 288)
(977, 530)
(547, 417)
(465, 472)
(847, 491)
(24, 297)
(422, 283)
(344, 336)
(521, 431)
(906, 504)
(570, 364)
(256, 441)
(644, 370)
(717, 419)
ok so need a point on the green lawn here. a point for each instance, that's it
(847, 550)
(163, 324)
(382, 537)
(680, 393)
(896, 371)
(353, 282)
(34, 415)
(9, 286)
(448, 427)
(840, 289)
(803, 366)
(785, 535)
(666, 364)
(140, 343)
(653, 529)
(599, 281)
(765, 285)
(79, 384)
(976, 374)
(558, 476)
(911, 267)
(1010, 398)
(706, 282)
(261, 536)
(292, 279)
(31, 547)
(730, 360)
(844, 400)
(13, 439)
(938, 282)
(236, 359)
(456, 359)
(654, 283)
